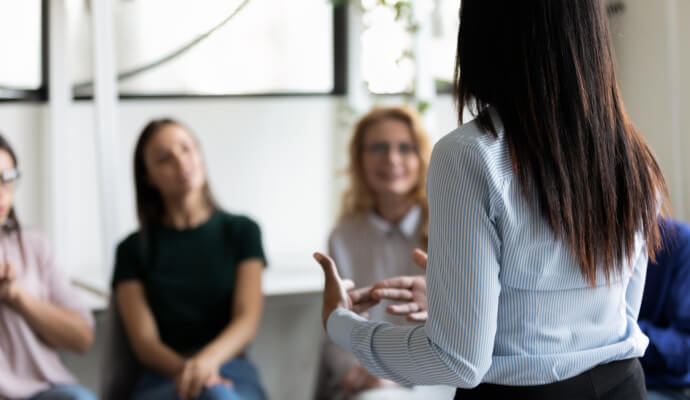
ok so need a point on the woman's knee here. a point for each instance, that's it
(219, 392)
(67, 392)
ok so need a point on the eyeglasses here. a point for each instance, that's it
(383, 148)
(9, 177)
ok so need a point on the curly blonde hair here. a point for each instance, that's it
(359, 197)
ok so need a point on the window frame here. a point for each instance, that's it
(340, 73)
(40, 94)
(339, 37)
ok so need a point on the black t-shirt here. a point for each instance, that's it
(189, 275)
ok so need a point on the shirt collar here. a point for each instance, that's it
(407, 225)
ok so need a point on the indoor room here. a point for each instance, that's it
(168, 170)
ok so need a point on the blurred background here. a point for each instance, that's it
(271, 88)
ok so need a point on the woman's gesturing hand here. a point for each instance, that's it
(335, 291)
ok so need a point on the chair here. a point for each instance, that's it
(120, 367)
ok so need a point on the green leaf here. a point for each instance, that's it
(413, 28)
(422, 106)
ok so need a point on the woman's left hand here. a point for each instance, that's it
(198, 373)
(335, 292)
(9, 290)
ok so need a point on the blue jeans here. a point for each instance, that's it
(245, 379)
(65, 392)
(668, 394)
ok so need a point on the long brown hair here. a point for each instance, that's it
(150, 205)
(547, 68)
(12, 224)
(359, 197)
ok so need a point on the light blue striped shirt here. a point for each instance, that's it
(507, 302)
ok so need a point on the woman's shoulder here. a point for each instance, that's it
(130, 239)
(348, 226)
(239, 220)
(238, 225)
(130, 245)
(349, 232)
(472, 135)
(471, 145)
(33, 234)
(35, 247)
(34, 239)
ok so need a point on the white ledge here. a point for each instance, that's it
(94, 292)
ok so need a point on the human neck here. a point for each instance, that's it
(393, 208)
(188, 211)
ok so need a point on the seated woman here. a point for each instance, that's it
(665, 315)
(188, 283)
(39, 313)
(384, 218)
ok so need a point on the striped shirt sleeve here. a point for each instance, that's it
(455, 346)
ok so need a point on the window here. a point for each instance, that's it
(21, 74)
(387, 55)
(178, 47)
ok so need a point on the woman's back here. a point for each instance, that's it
(551, 324)
(537, 232)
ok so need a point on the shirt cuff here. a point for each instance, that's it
(339, 326)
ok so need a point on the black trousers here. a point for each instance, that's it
(617, 380)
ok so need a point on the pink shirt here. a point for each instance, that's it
(28, 365)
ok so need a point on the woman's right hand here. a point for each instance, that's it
(410, 290)
(361, 298)
(8, 286)
(197, 374)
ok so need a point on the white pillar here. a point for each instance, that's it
(424, 81)
(105, 97)
(56, 145)
(357, 92)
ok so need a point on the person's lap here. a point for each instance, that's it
(164, 389)
(667, 394)
(65, 392)
(404, 393)
(246, 385)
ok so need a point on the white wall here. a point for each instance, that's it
(649, 53)
(266, 157)
(273, 158)
(276, 158)
(683, 18)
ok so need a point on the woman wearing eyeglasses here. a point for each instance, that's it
(383, 219)
(39, 313)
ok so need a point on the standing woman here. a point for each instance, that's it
(188, 283)
(542, 216)
(39, 311)
(384, 218)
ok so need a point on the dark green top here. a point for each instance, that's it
(189, 275)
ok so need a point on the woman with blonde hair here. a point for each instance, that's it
(381, 178)
(384, 217)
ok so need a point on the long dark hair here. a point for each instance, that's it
(547, 68)
(12, 224)
(150, 206)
